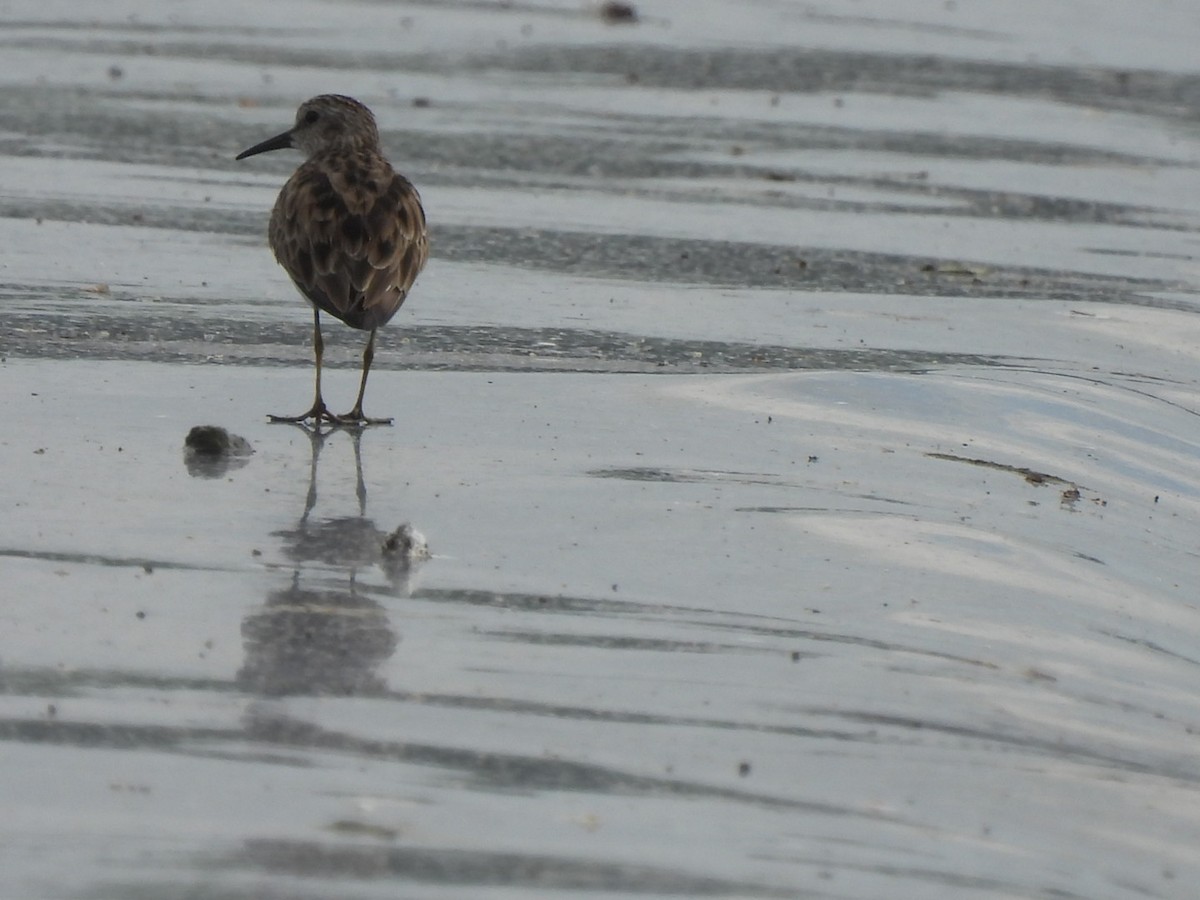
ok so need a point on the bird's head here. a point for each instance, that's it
(325, 123)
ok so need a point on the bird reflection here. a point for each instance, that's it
(324, 634)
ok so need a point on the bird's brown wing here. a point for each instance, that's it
(353, 243)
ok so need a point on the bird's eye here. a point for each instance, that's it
(311, 116)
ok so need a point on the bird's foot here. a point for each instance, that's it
(356, 419)
(318, 414)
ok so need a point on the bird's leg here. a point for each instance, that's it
(355, 416)
(318, 411)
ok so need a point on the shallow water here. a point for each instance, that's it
(800, 407)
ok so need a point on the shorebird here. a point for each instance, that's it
(347, 228)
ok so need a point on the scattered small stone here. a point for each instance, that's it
(141, 614)
(213, 440)
(616, 13)
(743, 768)
(210, 451)
(115, 72)
(406, 543)
(422, 102)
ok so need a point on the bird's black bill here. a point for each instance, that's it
(279, 142)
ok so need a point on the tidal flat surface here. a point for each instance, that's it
(801, 406)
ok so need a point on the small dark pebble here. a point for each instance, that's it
(743, 768)
(213, 440)
(141, 614)
(209, 451)
(615, 12)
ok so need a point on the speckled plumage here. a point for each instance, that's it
(346, 227)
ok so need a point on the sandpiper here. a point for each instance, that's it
(347, 228)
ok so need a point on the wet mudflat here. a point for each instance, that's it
(800, 406)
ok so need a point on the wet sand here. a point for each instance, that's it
(800, 406)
